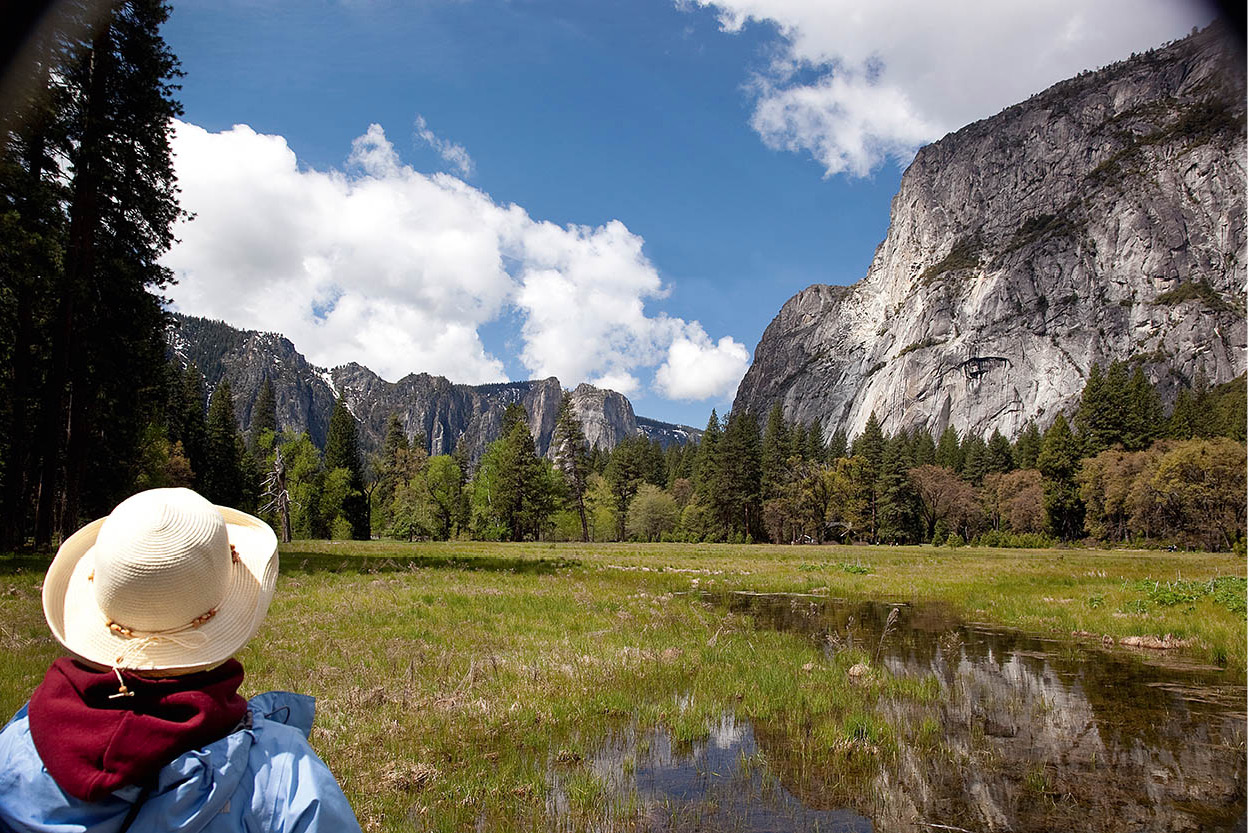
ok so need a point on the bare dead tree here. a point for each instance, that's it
(279, 497)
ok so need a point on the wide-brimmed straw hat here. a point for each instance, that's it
(168, 581)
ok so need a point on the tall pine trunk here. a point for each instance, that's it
(69, 396)
(580, 508)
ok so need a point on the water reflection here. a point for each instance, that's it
(1039, 734)
(718, 784)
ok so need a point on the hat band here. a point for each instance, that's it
(133, 632)
(186, 637)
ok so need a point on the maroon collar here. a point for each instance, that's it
(92, 743)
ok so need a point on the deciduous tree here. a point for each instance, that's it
(652, 514)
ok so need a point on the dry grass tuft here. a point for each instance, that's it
(409, 778)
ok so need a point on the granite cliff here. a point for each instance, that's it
(1102, 219)
(449, 415)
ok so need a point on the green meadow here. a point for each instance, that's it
(459, 682)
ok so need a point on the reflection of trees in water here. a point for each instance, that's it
(1037, 734)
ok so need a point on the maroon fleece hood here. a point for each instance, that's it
(92, 744)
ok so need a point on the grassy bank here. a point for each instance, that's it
(454, 679)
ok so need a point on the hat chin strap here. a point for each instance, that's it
(137, 642)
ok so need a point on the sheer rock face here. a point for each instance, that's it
(447, 414)
(1102, 219)
(606, 416)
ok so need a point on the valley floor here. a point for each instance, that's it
(464, 685)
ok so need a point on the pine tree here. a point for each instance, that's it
(514, 491)
(1145, 419)
(870, 447)
(1102, 417)
(1183, 421)
(775, 451)
(1091, 407)
(799, 443)
(342, 452)
(924, 449)
(704, 460)
(870, 444)
(736, 493)
(514, 413)
(1058, 463)
(1117, 395)
(1203, 417)
(1000, 454)
(31, 250)
(688, 453)
(532, 495)
(445, 481)
(816, 451)
(898, 511)
(263, 414)
(221, 479)
(624, 475)
(392, 470)
(654, 463)
(184, 416)
(974, 459)
(672, 457)
(395, 441)
(1230, 409)
(838, 446)
(88, 198)
(572, 458)
(948, 450)
(1027, 447)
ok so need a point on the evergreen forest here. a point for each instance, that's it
(1122, 470)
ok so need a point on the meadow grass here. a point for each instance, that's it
(458, 683)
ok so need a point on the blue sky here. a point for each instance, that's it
(616, 192)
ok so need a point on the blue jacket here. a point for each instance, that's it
(262, 778)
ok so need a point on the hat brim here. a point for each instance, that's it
(77, 623)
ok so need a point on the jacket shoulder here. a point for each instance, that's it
(289, 708)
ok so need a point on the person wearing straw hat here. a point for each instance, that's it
(143, 728)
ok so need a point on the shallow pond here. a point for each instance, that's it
(719, 784)
(1035, 733)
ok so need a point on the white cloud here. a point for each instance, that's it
(583, 293)
(697, 368)
(845, 122)
(451, 152)
(855, 83)
(398, 270)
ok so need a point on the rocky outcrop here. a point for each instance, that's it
(1102, 219)
(447, 415)
(606, 416)
(305, 393)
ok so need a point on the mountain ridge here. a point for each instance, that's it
(448, 414)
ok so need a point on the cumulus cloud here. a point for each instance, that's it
(451, 152)
(854, 83)
(697, 368)
(399, 270)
